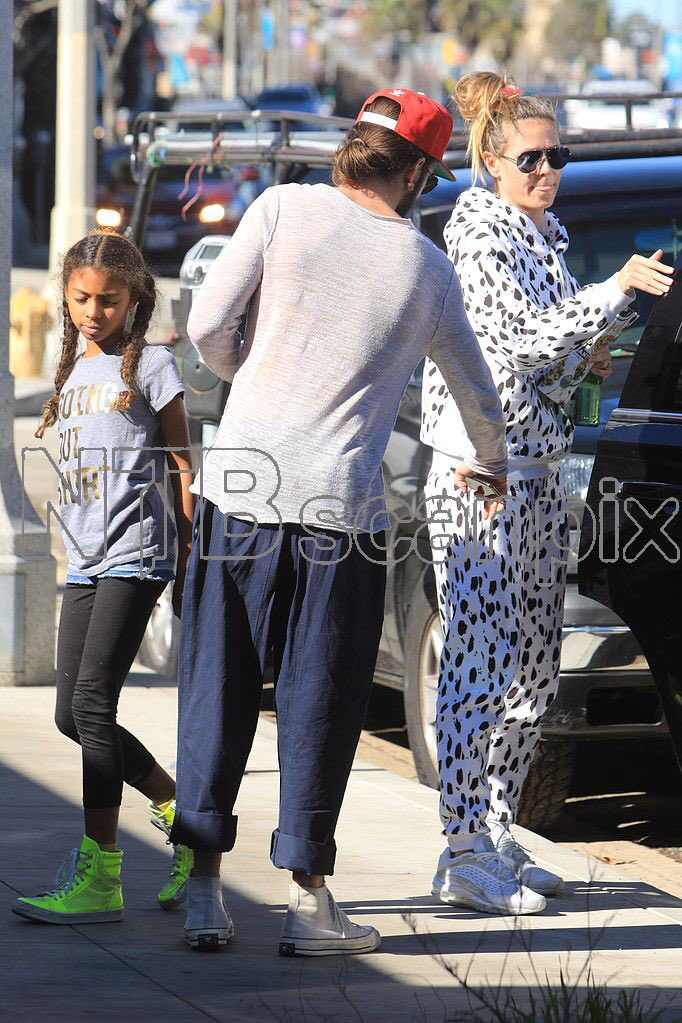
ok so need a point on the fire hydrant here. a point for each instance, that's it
(29, 319)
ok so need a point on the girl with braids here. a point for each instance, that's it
(119, 409)
(501, 586)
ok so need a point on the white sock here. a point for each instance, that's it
(461, 843)
(206, 885)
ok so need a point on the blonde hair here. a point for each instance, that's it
(488, 104)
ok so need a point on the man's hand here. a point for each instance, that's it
(493, 504)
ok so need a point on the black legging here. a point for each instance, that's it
(100, 629)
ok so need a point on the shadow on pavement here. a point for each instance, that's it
(141, 969)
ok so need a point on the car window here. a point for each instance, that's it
(120, 174)
(599, 249)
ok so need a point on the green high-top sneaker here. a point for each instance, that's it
(87, 890)
(174, 892)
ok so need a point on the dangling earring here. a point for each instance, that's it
(130, 319)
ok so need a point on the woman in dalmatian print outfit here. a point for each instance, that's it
(501, 577)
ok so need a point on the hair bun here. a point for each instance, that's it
(487, 102)
(482, 94)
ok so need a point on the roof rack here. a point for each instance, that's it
(628, 100)
(276, 138)
(234, 137)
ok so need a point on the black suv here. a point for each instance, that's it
(631, 542)
(619, 198)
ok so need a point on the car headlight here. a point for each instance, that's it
(212, 214)
(108, 218)
(575, 473)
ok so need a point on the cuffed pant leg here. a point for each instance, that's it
(226, 607)
(322, 690)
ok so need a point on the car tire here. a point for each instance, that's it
(423, 643)
(159, 646)
(549, 779)
(547, 785)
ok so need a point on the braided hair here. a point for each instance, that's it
(118, 256)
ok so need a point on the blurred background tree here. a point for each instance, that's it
(117, 25)
(392, 17)
(496, 23)
(576, 29)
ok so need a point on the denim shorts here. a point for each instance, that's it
(154, 571)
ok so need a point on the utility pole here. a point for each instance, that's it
(282, 72)
(73, 213)
(27, 570)
(230, 21)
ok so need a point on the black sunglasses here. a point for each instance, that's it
(431, 183)
(557, 157)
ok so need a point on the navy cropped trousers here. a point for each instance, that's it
(315, 599)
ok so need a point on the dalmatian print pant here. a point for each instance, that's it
(501, 594)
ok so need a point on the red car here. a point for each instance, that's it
(186, 206)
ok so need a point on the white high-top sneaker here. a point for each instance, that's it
(529, 874)
(208, 923)
(315, 926)
(480, 880)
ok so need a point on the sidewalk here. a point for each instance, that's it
(389, 841)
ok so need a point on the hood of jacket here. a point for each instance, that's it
(477, 206)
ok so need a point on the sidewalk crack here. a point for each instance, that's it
(141, 973)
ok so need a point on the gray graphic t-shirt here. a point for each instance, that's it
(111, 510)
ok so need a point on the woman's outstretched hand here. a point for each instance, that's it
(646, 274)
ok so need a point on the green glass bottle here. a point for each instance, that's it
(587, 401)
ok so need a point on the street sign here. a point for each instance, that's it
(672, 60)
(267, 29)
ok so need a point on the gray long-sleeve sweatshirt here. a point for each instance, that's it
(344, 304)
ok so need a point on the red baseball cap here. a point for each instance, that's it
(421, 121)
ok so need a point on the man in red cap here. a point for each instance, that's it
(345, 298)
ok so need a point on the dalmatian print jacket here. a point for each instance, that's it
(533, 322)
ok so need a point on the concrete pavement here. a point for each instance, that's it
(435, 963)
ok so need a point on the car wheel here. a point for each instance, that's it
(549, 779)
(423, 645)
(547, 785)
(159, 646)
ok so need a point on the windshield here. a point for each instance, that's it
(284, 96)
(116, 172)
(599, 249)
